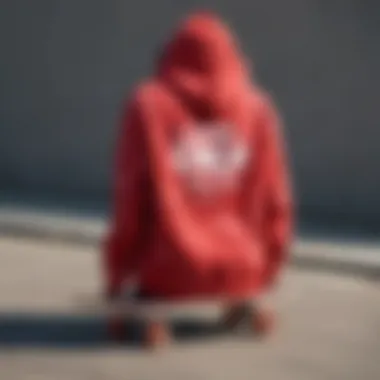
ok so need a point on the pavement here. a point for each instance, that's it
(345, 253)
(328, 327)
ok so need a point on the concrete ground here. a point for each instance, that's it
(329, 327)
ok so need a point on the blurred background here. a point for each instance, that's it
(67, 67)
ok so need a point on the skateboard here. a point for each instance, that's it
(152, 319)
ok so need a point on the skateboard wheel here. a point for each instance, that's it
(262, 323)
(156, 335)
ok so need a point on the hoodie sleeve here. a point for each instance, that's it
(277, 195)
(121, 249)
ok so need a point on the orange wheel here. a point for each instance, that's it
(263, 322)
(157, 335)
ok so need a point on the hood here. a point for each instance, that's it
(204, 66)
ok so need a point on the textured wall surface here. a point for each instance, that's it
(67, 65)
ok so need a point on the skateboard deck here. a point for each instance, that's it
(159, 314)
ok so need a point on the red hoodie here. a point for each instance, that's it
(202, 200)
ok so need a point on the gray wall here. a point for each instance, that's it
(66, 67)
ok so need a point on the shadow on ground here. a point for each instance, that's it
(65, 331)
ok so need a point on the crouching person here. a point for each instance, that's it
(202, 206)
